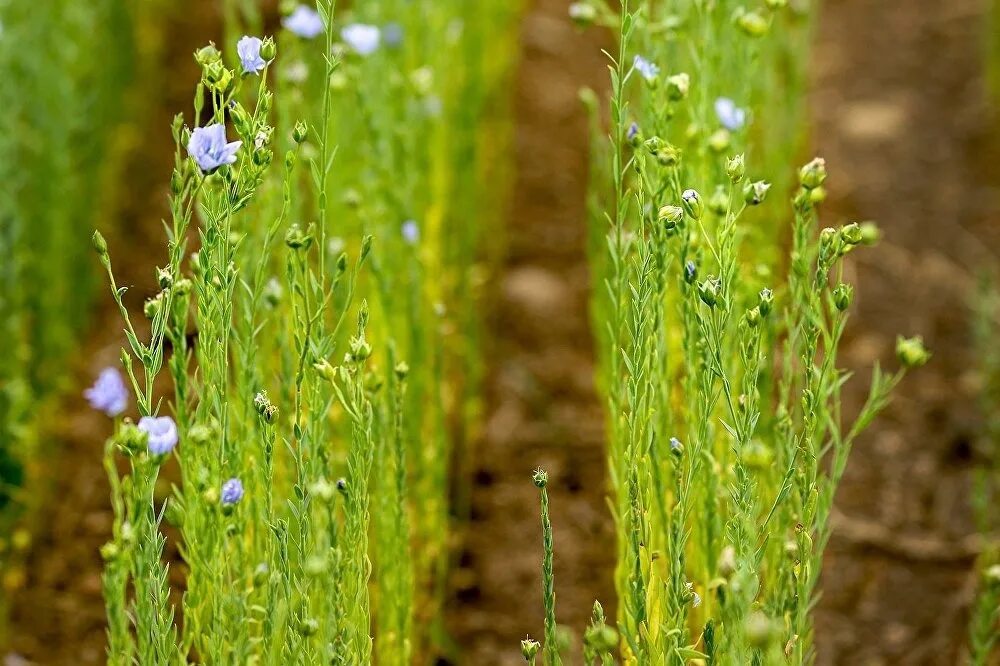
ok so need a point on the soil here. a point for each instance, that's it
(542, 409)
(900, 115)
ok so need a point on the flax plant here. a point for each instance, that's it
(984, 625)
(335, 201)
(727, 439)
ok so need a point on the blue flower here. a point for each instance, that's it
(648, 69)
(633, 131)
(161, 433)
(232, 492)
(392, 34)
(304, 21)
(411, 232)
(248, 49)
(209, 149)
(362, 38)
(731, 116)
(690, 272)
(108, 394)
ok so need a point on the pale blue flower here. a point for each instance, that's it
(411, 232)
(633, 131)
(392, 34)
(304, 21)
(361, 37)
(209, 149)
(248, 49)
(108, 394)
(161, 432)
(232, 492)
(648, 69)
(731, 116)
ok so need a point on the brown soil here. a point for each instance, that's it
(902, 119)
(542, 406)
(899, 115)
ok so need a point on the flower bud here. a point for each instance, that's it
(718, 203)
(176, 183)
(297, 239)
(360, 349)
(755, 193)
(676, 447)
(268, 49)
(100, 245)
(668, 156)
(323, 489)
(727, 562)
(752, 24)
(300, 132)
(210, 495)
(870, 233)
(911, 352)
(736, 168)
(813, 174)
(206, 55)
(671, 216)
(540, 478)
(241, 119)
(754, 317)
(153, 306)
(308, 626)
(164, 278)
(529, 648)
(633, 135)
(691, 202)
(851, 233)
(677, 86)
(718, 142)
(583, 13)
(766, 301)
(760, 630)
(110, 551)
(843, 295)
(708, 291)
(690, 272)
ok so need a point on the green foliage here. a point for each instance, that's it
(319, 350)
(719, 360)
(984, 625)
(59, 110)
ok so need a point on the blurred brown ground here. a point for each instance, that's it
(899, 114)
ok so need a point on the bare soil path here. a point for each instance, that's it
(542, 409)
(901, 116)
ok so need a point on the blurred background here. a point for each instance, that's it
(902, 104)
